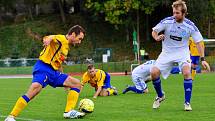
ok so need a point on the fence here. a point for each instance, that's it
(8, 62)
(24, 66)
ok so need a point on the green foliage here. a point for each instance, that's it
(17, 42)
(117, 12)
(211, 8)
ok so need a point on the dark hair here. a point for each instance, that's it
(90, 66)
(77, 29)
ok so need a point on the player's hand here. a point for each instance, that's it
(206, 65)
(160, 37)
(46, 41)
(94, 97)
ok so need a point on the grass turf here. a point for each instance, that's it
(49, 104)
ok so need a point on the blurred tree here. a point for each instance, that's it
(122, 12)
(210, 16)
(7, 4)
(202, 12)
(117, 11)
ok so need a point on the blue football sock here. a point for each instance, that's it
(188, 85)
(157, 86)
(134, 89)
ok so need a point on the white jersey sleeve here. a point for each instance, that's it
(143, 70)
(161, 26)
(195, 34)
(197, 37)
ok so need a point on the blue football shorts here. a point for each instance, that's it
(195, 59)
(45, 75)
(106, 81)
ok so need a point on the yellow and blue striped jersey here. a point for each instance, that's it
(56, 52)
(96, 81)
(193, 48)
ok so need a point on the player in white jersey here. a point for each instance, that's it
(177, 30)
(139, 75)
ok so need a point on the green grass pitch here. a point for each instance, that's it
(50, 103)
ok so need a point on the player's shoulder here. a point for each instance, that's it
(85, 75)
(188, 23)
(60, 37)
(99, 71)
(168, 20)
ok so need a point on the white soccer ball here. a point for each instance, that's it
(86, 105)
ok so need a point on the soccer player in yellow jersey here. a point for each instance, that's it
(194, 55)
(100, 80)
(48, 71)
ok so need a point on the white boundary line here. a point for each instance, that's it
(24, 119)
(14, 76)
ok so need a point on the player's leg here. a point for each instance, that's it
(104, 92)
(193, 72)
(163, 67)
(155, 74)
(23, 101)
(73, 94)
(195, 62)
(139, 85)
(38, 82)
(187, 85)
(148, 79)
(59, 79)
(107, 89)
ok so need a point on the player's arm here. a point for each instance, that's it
(101, 77)
(82, 84)
(157, 29)
(47, 40)
(157, 37)
(99, 89)
(200, 48)
(197, 37)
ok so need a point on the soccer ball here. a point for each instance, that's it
(86, 105)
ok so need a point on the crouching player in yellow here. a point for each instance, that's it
(194, 56)
(100, 80)
(47, 71)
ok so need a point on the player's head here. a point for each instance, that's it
(75, 34)
(91, 70)
(179, 10)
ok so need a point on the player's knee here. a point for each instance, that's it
(103, 94)
(72, 82)
(34, 89)
(194, 65)
(155, 73)
(186, 73)
(36, 86)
